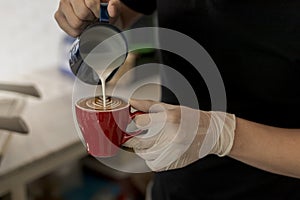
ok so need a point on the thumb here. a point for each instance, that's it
(113, 8)
(149, 105)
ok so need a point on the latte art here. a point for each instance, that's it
(97, 103)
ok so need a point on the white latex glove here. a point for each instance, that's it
(178, 136)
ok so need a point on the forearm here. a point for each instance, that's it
(269, 148)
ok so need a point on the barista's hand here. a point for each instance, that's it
(178, 136)
(74, 15)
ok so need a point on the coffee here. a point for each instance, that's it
(97, 103)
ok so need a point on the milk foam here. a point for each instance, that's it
(109, 103)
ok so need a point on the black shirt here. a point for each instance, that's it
(256, 47)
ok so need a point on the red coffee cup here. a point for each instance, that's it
(104, 131)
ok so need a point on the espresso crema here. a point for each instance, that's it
(97, 103)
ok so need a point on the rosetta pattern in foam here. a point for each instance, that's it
(97, 103)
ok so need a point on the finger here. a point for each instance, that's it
(82, 11)
(166, 157)
(69, 21)
(148, 140)
(64, 25)
(147, 155)
(152, 152)
(139, 143)
(113, 10)
(152, 140)
(153, 122)
(146, 105)
(94, 6)
(72, 19)
(158, 157)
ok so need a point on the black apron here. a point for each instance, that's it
(256, 47)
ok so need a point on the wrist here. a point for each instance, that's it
(225, 132)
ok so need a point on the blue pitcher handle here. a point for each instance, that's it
(104, 17)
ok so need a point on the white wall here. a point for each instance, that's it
(29, 36)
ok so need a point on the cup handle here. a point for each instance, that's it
(127, 136)
(134, 114)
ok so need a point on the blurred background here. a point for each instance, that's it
(41, 155)
(30, 38)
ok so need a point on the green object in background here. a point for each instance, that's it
(142, 49)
